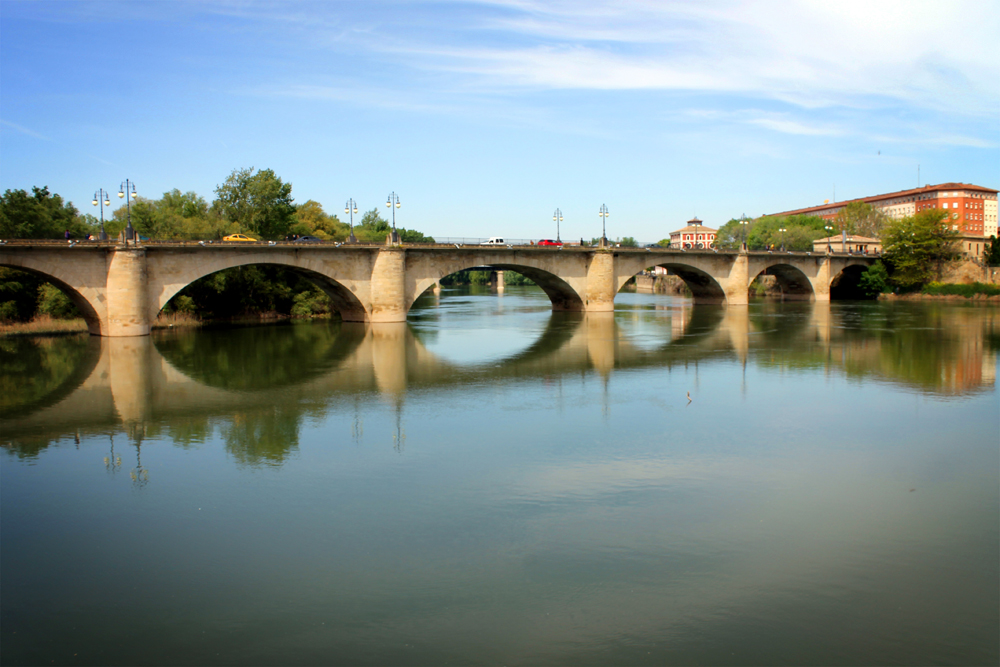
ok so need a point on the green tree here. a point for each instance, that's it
(257, 203)
(187, 205)
(18, 294)
(40, 215)
(413, 236)
(311, 219)
(373, 228)
(918, 246)
(53, 302)
(991, 253)
(765, 231)
(729, 236)
(875, 280)
(862, 219)
(628, 242)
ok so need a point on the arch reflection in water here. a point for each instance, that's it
(257, 384)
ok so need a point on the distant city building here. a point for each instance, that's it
(695, 235)
(972, 208)
(848, 242)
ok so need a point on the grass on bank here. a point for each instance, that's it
(46, 324)
(966, 290)
(42, 324)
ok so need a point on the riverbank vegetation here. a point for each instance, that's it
(969, 291)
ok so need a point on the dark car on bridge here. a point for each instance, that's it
(549, 242)
(308, 239)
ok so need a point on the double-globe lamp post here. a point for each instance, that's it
(350, 209)
(557, 216)
(103, 198)
(604, 233)
(782, 230)
(123, 192)
(743, 231)
(393, 203)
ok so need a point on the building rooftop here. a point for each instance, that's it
(694, 225)
(851, 238)
(890, 195)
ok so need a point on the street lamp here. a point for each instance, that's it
(829, 246)
(743, 230)
(393, 199)
(103, 198)
(557, 216)
(122, 192)
(782, 230)
(604, 217)
(350, 208)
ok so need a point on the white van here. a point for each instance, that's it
(494, 240)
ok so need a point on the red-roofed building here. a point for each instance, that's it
(695, 235)
(972, 208)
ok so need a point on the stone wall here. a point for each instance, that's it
(968, 271)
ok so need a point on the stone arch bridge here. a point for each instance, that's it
(121, 289)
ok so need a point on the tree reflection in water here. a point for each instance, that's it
(255, 385)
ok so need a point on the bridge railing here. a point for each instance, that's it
(444, 242)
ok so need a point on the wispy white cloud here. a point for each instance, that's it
(24, 130)
(930, 54)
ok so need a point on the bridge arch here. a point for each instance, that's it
(345, 301)
(705, 288)
(561, 292)
(847, 283)
(794, 283)
(88, 298)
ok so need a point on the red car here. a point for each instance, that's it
(549, 242)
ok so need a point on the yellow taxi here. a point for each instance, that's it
(238, 237)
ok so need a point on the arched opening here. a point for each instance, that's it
(846, 286)
(790, 283)
(561, 294)
(59, 300)
(259, 288)
(703, 287)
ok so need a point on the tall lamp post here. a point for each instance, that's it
(123, 192)
(743, 231)
(103, 198)
(350, 208)
(393, 203)
(557, 216)
(604, 217)
(829, 246)
(782, 230)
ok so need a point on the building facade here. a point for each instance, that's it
(972, 209)
(695, 235)
(863, 245)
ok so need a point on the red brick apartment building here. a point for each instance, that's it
(972, 208)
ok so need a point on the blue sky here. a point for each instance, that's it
(484, 117)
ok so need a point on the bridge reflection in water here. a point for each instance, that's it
(261, 385)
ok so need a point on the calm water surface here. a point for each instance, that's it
(492, 483)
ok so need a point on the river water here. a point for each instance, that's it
(492, 483)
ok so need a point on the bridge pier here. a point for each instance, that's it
(127, 294)
(602, 285)
(388, 286)
(738, 287)
(821, 284)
